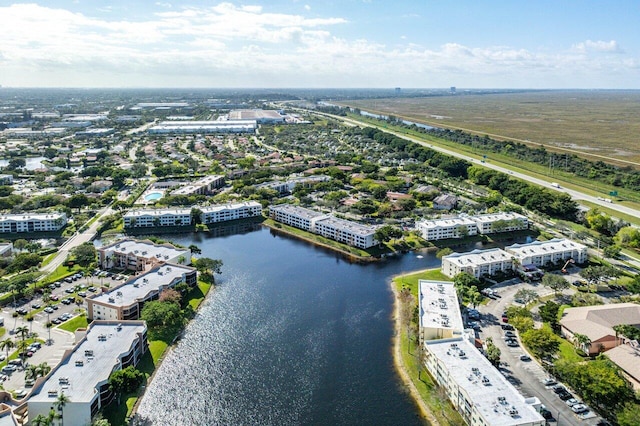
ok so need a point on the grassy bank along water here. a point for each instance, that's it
(429, 397)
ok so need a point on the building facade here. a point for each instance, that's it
(344, 231)
(223, 213)
(126, 301)
(32, 222)
(140, 255)
(477, 262)
(542, 253)
(440, 229)
(203, 186)
(500, 222)
(83, 374)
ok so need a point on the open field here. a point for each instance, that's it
(594, 124)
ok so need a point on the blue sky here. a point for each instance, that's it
(298, 43)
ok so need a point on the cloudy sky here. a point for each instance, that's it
(332, 43)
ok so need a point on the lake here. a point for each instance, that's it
(292, 335)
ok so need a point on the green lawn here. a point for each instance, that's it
(60, 273)
(411, 280)
(198, 293)
(74, 323)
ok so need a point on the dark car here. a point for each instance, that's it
(512, 343)
(507, 327)
(565, 396)
(546, 414)
(21, 311)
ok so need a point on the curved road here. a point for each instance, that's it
(576, 195)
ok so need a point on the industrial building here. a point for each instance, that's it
(203, 127)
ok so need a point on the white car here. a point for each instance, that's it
(21, 393)
(573, 401)
(579, 408)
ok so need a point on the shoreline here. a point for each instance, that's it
(345, 253)
(398, 362)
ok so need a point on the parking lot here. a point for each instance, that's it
(66, 302)
(522, 370)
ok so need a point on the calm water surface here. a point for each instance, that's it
(292, 335)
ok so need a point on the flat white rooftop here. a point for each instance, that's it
(439, 306)
(545, 247)
(491, 393)
(234, 206)
(157, 212)
(347, 225)
(494, 217)
(478, 257)
(138, 288)
(297, 211)
(445, 223)
(145, 249)
(78, 382)
(32, 216)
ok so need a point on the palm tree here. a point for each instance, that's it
(60, 403)
(41, 420)
(31, 372)
(23, 331)
(7, 344)
(43, 369)
(582, 341)
(618, 329)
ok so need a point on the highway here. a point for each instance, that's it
(576, 195)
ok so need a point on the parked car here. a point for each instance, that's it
(505, 319)
(21, 393)
(8, 369)
(565, 396)
(36, 306)
(572, 401)
(68, 290)
(21, 311)
(512, 343)
(510, 333)
(579, 408)
(82, 294)
(549, 382)
(546, 413)
(58, 284)
(54, 297)
(525, 357)
(507, 327)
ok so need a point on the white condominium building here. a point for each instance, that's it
(285, 187)
(32, 222)
(345, 231)
(202, 186)
(500, 222)
(479, 392)
(83, 374)
(222, 213)
(462, 226)
(125, 302)
(147, 218)
(440, 229)
(140, 255)
(477, 262)
(295, 216)
(540, 253)
(440, 316)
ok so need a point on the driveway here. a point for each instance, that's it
(526, 376)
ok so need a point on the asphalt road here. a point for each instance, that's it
(576, 195)
(526, 376)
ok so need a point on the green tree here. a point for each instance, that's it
(549, 313)
(493, 352)
(194, 249)
(526, 295)
(163, 319)
(125, 381)
(60, 403)
(611, 251)
(6, 345)
(205, 264)
(386, 233)
(445, 251)
(582, 341)
(85, 254)
(629, 414)
(522, 324)
(555, 283)
(541, 341)
(78, 201)
(196, 216)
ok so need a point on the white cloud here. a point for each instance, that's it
(307, 7)
(228, 45)
(164, 4)
(597, 46)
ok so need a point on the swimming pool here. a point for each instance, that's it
(152, 196)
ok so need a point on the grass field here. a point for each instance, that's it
(589, 123)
